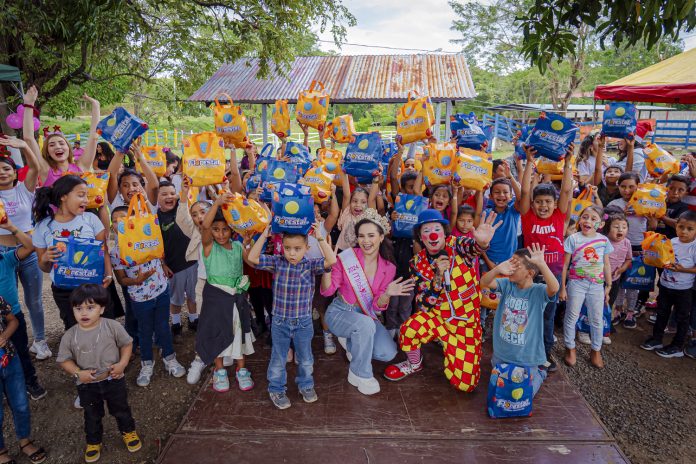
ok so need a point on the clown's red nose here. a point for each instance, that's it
(433, 236)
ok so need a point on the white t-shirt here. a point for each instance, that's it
(636, 224)
(685, 254)
(18, 201)
(638, 164)
(586, 167)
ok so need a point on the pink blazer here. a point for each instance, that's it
(383, 277)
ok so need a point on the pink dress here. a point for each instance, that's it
(55, 174)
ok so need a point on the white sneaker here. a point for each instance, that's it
(365, 386)
(40, 349)
(173, 367)
(329, 345)
(145, 374)
(76, 403)
(606, 341)
(344, 343)
(584, 338)
(195, 371)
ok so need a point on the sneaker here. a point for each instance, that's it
(670, 351)
(40, 349)
(193, 325)
(584, 338)
(640, 310)
(617, 320)
(244, 379)
(400, 371)
(173, 367)
(280, 400)
(551, 365)
(329, 344)
(146, 368)
(651, 344)
(690, 350)
(93, 453)
(555, 338)
(630, 324)
(195, 371)
(176, 329)
(76, 404)
(365, 386)
(221, 383)
(36, 391)
(606, 341)
(652, 318)
(309, 395)
(132, 441)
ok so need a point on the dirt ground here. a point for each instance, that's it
(646, 402)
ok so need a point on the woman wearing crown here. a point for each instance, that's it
(447, 300)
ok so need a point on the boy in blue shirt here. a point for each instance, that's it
(507, 208)
(518, 327)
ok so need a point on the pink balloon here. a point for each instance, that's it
(14, 121)
(20, 111)
(37, 124)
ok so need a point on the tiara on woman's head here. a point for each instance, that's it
(56, 131)
(371, 214)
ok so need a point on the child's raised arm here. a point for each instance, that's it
(331, 219)
(505, 268)
(345, 184)
(206, 234)
(525, 201)
(325, 247)
(254, 256)
(152, 182)
(537, 258)
(114, 168)
(235, 179)
(28, 130)
(567, 183)
(87, 158)
(479, 208)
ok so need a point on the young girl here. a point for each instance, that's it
(224, 329)
(586, 265)
(616, 230)
(353, 206)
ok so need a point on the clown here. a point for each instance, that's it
(448, 301)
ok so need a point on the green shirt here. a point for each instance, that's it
(224, 267)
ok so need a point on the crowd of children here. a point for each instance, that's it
(376, 292)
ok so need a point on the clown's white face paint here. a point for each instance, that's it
(433, 236)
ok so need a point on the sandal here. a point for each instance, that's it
(37, 456)
(11, 461)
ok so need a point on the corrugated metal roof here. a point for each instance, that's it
(348, 79)
(571, 107)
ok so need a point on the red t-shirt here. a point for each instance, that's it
(546, 232)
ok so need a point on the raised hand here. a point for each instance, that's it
(508, 267)
(89, 99)
(485, 231)
(400, 287)
(14, 142)
(31, 95)
(537, 254)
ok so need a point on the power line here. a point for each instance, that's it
(439, 50)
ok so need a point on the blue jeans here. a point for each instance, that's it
(549, 316)
(538, 375)
(592, 295)
(131, 322)
(300, 330)
(12, 383)
(153, 319)
(367, 338)
(32, 280)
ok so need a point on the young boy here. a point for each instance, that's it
(518, 327)
(677, 186)
(293, 289)
(675, 290)
(148, 292)
(95, 352)
(504, 241)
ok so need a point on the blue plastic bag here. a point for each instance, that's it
(389, 149)
(293, 209)
(120, 128)
(275, 171)
(467, 130)
(551, 136)
(639, 276)
(619, 120)
(407, 208)
(510, 391)
(252, 183)
(521, 142)
(583, 324)
(81, 262)
(363, 156)
(298, 154)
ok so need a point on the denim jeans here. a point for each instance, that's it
(538, 375)
(592, 295)
(153, 319)
(20, 340)
(549, 316)
(32, 282)
(12, 383)
(367, 338)
(300, 330)
(131, 322)
(92, 398)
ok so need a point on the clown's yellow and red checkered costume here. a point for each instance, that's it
(455, 321)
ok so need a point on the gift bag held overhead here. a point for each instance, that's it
(619, 120)
(467, 130)
(414, 121)
(81, 262)
(120, 128)
(659, 161)
(649, 200)
(441, 163)
(522, 136)
(280, 119)
(363, 156)
(319, 182)
(551, 135)
(657, 250)
(293, 209)
(341, 129)
(231, 124)
(331, 160)
(313, 106)
(204, 159)
(579, 204)
(277, 171)
(510, 391)
(639, 276)
(245, 216)
(139, 234)
(155, 158)
(414, 95)
(474, 170)
(407, 208)
(298, 154)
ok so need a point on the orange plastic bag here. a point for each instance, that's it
(204, 159)
(155, 158)
(414, 95)
(231, 124)
(97, 183)
(245, 216)
(489, 299)
(658, 161)
(341, 129)
(3, 213)
(139, 234)
(657, 250)
(331, 160)
(313, 106)
(649, 200)
(553, 168)
(414, 120)
(280, 119)
(475, 170)
(441, 163)
(580, 203)
(319, 182)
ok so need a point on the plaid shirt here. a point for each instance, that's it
(293, 285)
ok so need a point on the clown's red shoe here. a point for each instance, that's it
(400, 371)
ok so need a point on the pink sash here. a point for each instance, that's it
(358, 281)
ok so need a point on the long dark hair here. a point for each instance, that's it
(46, 197)
(386, 250)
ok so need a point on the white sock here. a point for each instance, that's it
(193, 317)
(176, 318)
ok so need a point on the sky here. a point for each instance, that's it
(417, 24)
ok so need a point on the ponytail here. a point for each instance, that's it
(47, 199)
